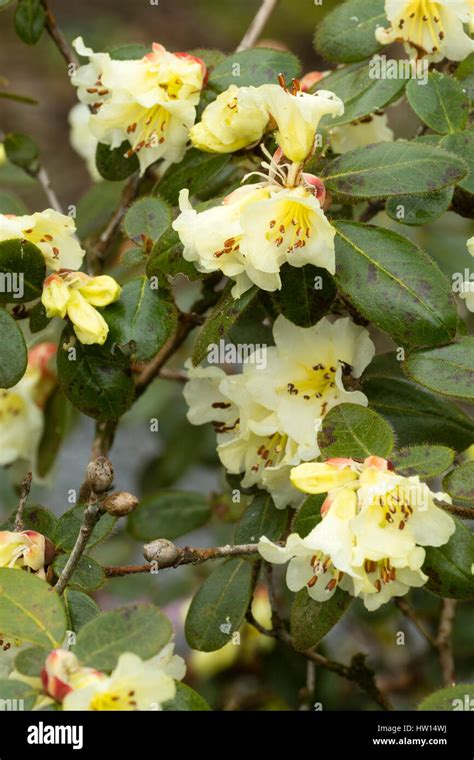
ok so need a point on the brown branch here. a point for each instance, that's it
(256, 27)
(92, 514)
(444, 642)
(57, 36)
(187, 555)
(465, 513)
(24, 493)
(412, 615)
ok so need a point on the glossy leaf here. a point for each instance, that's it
(22, 271)
(261, 518)
(310, 621)
(113, 164)
(449, 567)
(448, 370)
(351, 430)
(13, 353)
(347, 33)
(441, 102)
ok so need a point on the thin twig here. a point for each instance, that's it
(24, 493)
(43, 178)
(57, 36)
(187, 555)
(465, 513)
(412, 615)
(256, 27)
(129, 193)
(92, 514)
(444, 642)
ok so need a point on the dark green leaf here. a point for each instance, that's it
(424, 461)
(131, 52)
(96, 381)
(168, 514)
(22, 271)
(377, 267)
(460, 697)
(30, 661)
(38, 319)
(460, 484)
(308, 515)
(13, 353)
(195, 172)
(392, 168)
(57, 419)
(167, 258)
(34, 518)
(449, 567)
(30, 19)
(448, 370)
(113, 164)
(146, 220)
(16, 695)
(462, 145)
(141, 629)
(253, 68)
(351, 430)
(415, 414)
(144, 315)
(442, 103)
(261, 518)
(222, 318)
(347, 33)
(87, 576)
(30, 609)
(218, 609)
(186, 699)
(80, 608)
(22, 151)
(306, 294)
(416, 210)
(310, 621)
(70, 523)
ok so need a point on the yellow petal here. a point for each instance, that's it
(321, 477)
(100, 291)
(89, 326)
(55, 296)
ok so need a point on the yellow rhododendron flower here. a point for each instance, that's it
(53, 233)
(22, 549)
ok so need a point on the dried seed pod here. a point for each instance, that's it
(162, 551)
(120, 503)
(100, 474)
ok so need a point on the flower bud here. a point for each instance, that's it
(55, 296)
(162, 551)
(120, 503)
(100, 474)
(321, 477)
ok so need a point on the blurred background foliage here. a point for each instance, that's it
(258, 674)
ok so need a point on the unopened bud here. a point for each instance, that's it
(120, 503)
(100, 474)
(49, 551)
(162, 551)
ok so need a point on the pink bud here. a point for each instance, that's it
(378, 463)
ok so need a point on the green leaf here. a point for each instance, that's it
(141, 629)
(113, 164)
(168, 514)
(417, 210)
(22, 271)
(38, 319)
(13, 353)
(459, 697)
(87, 576)
(80, 608)
(462, 145)
(30, 661)
(96, 206)
(308, 515)
(449, 567)
(310, 621)
(460, 484)
(415, 414)
(69, 525)
(306, 294)
(392, 168)
(186, 699)
(360, 92)
(34, 518)
(220, 605)
(145, 315)
(441, 103)
(351, 430)
(132, 52)
(96, 381)
(222, 318)
(11, 204)
(195, 172)
(253, 68)
(30, 19)
(347, 33)
(57, 419)
(424, 461)
(146, 220)
(22, 151)
(30, 609)
(465, 74)
(166, 258)
(261, 518)
(448, 370)
(376, 267)
(16, 695)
